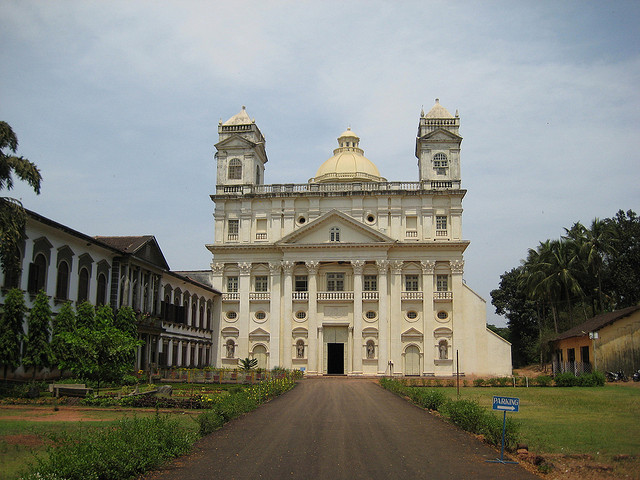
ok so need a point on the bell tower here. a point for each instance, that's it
(438, 145)
(241, 153)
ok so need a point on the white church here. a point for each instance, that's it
(349, 273)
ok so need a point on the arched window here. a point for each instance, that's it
(194, 314)
(257, 175)
(62, 282)
(300, 349)
(83, 285)
(208, 317)
(334, 234)
(101, 297)
(260, 354)
(37, 274)
(443, 350)
(235, 170)
(201, 316)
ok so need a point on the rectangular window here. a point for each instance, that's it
(370, 283)
(233, 227)
(261, 283)
(232, 284)
(411, 283)
(442, 283)
(301, 284)
(441, 222)
(335, 282)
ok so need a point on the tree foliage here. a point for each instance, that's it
(37, 350)
(11, 329)
(565, 281)
(12, 215)
(248, 364)
(63, 322)
(103, 352)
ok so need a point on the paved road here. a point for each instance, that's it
(339, 428)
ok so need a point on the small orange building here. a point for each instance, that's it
(607, 342)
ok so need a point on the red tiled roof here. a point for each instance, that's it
(126, 244)
(597, 322)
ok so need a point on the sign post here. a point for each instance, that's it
(504, 404)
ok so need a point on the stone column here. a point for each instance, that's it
(287, 268)
(312, 355)
(188, 362)
(350, 343)
(383, 317)
(158, 294)
(244, 313)
(156, 360)
(428, 325)
(127, 286)
(457, 316)
(356, 356)
(275, 335)
(170, 353)
(396, 315)
(320, 351)
(179, 359)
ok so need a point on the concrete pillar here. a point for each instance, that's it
(383, 317)
(244, 313)
(396, 317)
(428, 267)
(275, 338)
(287, 268)
(358, 266)
(313, 367)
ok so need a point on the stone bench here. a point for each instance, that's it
(70, 389)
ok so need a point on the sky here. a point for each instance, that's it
(118, 104)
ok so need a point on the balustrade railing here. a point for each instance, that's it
(300, 296)
(337, 187)
(370, 295)
(334, 296)
(443, 295)
(231, 296)
(259, 296)
(411, 295)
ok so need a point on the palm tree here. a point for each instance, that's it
(13, 217)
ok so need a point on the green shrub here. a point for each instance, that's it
(128, 449)
(595, 379)
(492, 431)
(504, 381)
(566, 379)
(478, 382)
(209, 421)
(543, 381)
(431, 399)
(467, 414)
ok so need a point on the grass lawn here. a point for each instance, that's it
(577, 420)
(24, 429)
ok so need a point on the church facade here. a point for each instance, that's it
(349, 273)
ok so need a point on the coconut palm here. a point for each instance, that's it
(12, 215)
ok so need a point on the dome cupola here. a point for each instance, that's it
(348, 163)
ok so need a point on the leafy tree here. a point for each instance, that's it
(101, 353)
(512, 301)
(13, 218)
(37, 350)
(85, 315)
(11, 329)
(623, 268)
(126, 321)
(63, 322)
(247, 364)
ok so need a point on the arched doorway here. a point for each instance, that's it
(412, 361)
(260, 354)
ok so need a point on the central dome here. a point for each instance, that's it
(348, 163)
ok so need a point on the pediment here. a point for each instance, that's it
(299, 332)
(442, 332)
(352, 231)
(150, 252)
(441, 135)
(370, 332)
(411, 334)
(259, 334)
(234, 141)
(230, 332)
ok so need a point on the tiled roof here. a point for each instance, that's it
(126, 244)
(597, 322)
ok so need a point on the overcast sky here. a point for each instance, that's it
(118, 103)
